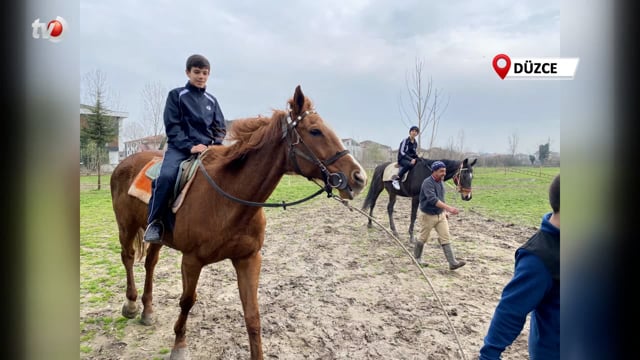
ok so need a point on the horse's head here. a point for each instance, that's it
(315, 151)
(463, 178)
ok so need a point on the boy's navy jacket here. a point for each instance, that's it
(192, 116)
(407, 150)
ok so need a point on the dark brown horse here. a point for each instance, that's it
(460, 171)
(210, 227)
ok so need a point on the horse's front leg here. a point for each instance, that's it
(415, 201)
(248, 272)
(147, 296)
(392, 224)
(191, 268)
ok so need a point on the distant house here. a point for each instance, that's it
(146, 143)
(114, 147)
(374, 153)
(353, 147)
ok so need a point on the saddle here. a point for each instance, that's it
(141, 186)
(392, 170)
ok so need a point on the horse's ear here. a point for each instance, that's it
(298, 100)
(473, 162)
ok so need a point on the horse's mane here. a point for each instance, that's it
(250, 134)
(452, 165)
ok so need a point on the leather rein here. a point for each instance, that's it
(291, 135)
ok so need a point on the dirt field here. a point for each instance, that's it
(332, 289)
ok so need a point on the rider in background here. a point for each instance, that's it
(407, 155)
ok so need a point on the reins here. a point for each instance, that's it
(253, 203)
(331, 180)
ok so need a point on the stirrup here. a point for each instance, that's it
(160, 228)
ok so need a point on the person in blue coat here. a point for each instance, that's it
(534, 289)
(193, 120)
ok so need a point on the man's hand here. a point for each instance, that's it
(452, 210)
(413, 161)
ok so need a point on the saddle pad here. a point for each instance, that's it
(141, 185)
(391, 170)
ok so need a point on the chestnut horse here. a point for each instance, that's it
(210, 227)
(460, 171)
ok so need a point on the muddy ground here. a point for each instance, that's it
(331, 288)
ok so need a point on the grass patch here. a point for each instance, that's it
(509, 196)
(292, 188)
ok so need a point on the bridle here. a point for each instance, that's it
(290, 133)
(456, 179)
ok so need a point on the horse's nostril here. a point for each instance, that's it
(359, 178)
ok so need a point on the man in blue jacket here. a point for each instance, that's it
(534, 288)
(193, 120)
(407, 155)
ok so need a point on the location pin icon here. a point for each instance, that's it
(501, 71)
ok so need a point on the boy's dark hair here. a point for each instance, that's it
(554, 194)
(198, 61)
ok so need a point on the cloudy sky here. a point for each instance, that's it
(350, 57)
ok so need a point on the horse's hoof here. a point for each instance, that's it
(147, 319)
(130, 309)
(180, 354)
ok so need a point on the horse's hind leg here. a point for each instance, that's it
(127, 254)
(147, 296)
(373, 205)
(191, 268)
(415, 201)
(248, 272)
(392, 224)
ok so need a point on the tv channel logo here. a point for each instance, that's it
(54, 30)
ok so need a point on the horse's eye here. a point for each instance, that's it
(315, 132)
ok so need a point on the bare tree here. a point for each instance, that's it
(421, 113)
(455, 147)
(451, 148)
(133, 130)
(154, 97)
(460, 142)
(513, 144)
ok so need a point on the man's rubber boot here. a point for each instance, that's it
(417, 253)
(453, 263)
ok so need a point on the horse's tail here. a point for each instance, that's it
(140, 246)
(375, 188)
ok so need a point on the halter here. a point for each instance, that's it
(456, 179)
(331, 180)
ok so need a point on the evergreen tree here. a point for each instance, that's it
(100, 129)
(543, 153)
